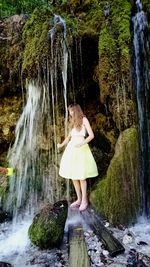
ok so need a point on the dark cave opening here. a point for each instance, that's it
(84, 55)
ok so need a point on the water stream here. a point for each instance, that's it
(34, 154)
(141, 42)
(16, 248)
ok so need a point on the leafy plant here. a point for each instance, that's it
(11, 7)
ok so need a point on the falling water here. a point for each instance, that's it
(30, 154)
(59, 63)
(59, 44)
(142, 81)
(34, 154)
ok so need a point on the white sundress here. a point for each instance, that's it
(77, 163)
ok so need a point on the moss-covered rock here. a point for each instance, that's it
(35, 40)
(117, 196)
(47, 228)
(114, 45)
(114, 69)
(81, 20)
(11, 53)
(84, 17)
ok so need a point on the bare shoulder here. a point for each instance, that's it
(85, 120)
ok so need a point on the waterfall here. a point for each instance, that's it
(34, 154)
(59, 63)
(141, 43)
(30, 154)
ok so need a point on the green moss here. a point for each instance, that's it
(117, 196)
(146, 9)
(82, 19)
(106, 42)
(121, 16)
(116, 29)
(146, 6)
(45, 237)
(72, 26)
(47, 228)
(35, 39)
(93, 20)
(85, 6)
(114, 50)
(86, 21)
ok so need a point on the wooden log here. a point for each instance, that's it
(78, 256)
(110, 242)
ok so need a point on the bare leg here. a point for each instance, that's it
(84, 202)
(77, 187)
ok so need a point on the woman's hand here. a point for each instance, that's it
(59, 145)
(80, 144)
(3, 170)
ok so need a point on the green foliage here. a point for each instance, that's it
(82, 18)
(93, 19)
(11, 7)
(115, 34)
(121, 15)
(146, 5)
(106, 42)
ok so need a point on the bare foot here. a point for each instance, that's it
(83, 206)
(75, 204)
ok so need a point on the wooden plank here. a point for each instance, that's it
(110, 242)
(78, 256)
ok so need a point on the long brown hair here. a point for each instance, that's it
(76, 120)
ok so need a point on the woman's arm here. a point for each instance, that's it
(3, 170)
(64, 142)
(89, 131)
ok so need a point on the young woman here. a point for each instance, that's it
(77, 162)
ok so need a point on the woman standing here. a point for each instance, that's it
(77, 161)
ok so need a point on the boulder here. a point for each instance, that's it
(47, 228)
(117, 195)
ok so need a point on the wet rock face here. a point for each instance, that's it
(117, 196)
(5, 264)
(10, 109)
(47, 228)
(11, 46)
(4, 216)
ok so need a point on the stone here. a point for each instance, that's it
(47, 228)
